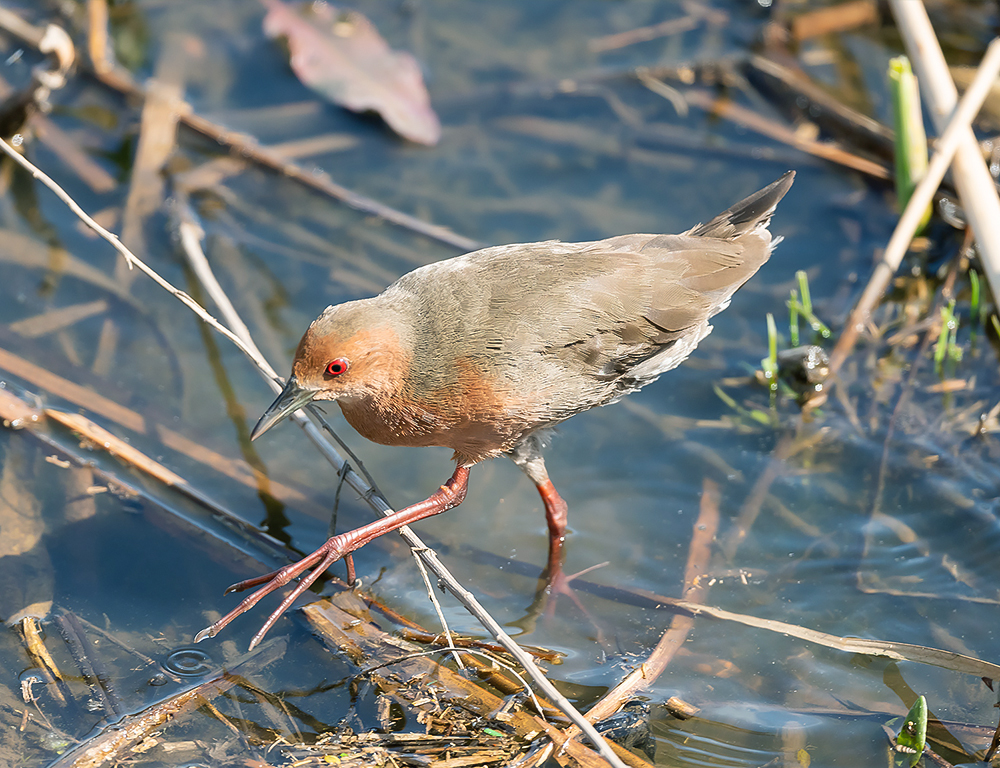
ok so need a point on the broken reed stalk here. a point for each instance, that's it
(341, 624)
(695, 590)
(747, 118)
(975, 185)
(944, 152)
(430, 558)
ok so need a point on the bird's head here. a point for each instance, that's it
(350, 352)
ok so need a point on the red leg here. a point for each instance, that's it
(555, 515)
(449, 495)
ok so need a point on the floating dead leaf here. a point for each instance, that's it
(339, 54)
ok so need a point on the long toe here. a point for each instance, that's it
(322, 559)
(336, 547)
(307, 581)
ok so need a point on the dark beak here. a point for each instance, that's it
(292, 398)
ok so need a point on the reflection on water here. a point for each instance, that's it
(880, 521)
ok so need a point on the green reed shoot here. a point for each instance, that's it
(772, 347)
(770, 363)
(911, 139)
(755, 414)
(974, 291)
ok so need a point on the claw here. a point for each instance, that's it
(337, 547)
(332, 557)
(272, 581)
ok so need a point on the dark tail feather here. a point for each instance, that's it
(747, 214)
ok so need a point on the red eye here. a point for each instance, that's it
(337, 367)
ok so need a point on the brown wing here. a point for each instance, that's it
(573, 325)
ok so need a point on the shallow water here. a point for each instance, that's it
(542, 139)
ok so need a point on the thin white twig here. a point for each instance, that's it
(353, 478)
(437, 607)
(944, 152)
(191, 235)
(976, 186)
(956, 129)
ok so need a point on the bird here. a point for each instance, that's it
(484, 353)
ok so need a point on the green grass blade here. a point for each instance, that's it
(803, 279)
(974, 291)
(793, 318)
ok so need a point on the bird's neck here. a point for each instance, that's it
(392, 418)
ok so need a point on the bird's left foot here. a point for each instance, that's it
(340, 546)
(334, 549)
